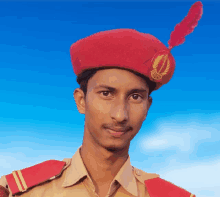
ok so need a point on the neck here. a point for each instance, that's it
(98, 159)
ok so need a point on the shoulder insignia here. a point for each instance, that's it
(158, 187)
(21, 180)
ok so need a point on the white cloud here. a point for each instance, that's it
(167, 140)
(182, 136)
(200, 176)
(201, 179)
(13, 160)
(4, 163)
(10, 163)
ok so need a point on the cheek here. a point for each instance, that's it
(100, 105)
(96, 111)
(137, 114)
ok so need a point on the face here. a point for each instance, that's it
(116, 100)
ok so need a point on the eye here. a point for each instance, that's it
(105, 93)
(136, 96)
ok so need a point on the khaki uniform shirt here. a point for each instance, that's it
(76, 182)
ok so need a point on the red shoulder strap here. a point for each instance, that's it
(158, 187)
(21, 180)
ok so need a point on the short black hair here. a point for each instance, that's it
(83, 78)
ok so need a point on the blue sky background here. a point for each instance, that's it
(180, 138)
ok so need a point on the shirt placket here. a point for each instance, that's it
(91, 188)
(113, 189)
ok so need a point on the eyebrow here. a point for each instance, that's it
(135, 90)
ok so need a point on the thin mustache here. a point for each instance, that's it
(119, 129)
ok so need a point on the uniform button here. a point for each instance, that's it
(138, 172)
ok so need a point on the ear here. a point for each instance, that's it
(149, 102)
(79, 97)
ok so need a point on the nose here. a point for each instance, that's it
(119, 111)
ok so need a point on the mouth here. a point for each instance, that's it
(116, 132)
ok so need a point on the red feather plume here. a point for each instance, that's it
(186, 26)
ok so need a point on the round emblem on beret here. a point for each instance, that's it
(160, 65)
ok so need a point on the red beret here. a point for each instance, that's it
(133, 50)
(125, 48)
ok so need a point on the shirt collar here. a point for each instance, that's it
(78, 170)
(126, 178)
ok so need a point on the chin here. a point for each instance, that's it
(115, 148)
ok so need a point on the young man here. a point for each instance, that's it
(117, 70)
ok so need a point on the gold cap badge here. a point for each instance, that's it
(160, 65)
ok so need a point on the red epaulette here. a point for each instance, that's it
(158, 187)
(21, 180)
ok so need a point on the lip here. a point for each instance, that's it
(116, 133)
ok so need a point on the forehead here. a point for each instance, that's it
(117, 78)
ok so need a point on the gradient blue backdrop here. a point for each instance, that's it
(180, 138)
